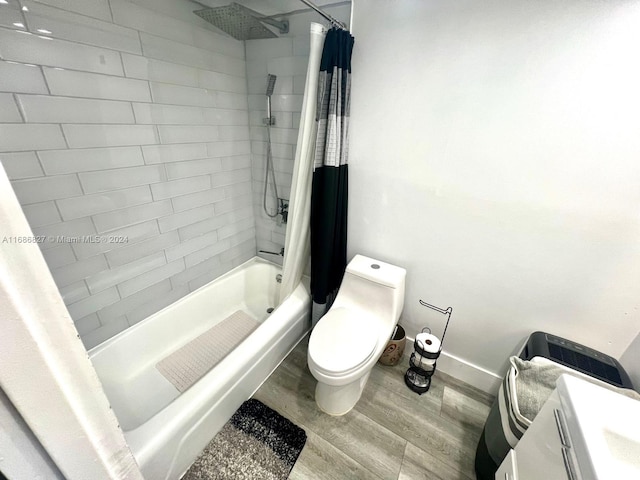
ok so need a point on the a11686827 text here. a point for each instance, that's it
(64, 239)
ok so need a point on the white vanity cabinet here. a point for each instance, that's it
(582, 432)
(544, 451)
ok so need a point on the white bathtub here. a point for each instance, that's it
(166, 430)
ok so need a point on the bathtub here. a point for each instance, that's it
(166, 429)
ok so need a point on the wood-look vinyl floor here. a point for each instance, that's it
(392, 433)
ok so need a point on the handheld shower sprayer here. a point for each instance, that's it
(271, 83)
(281, 208)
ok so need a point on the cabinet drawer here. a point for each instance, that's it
(541, 447)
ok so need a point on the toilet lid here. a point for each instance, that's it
(342, 340)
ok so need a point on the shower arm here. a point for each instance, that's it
(282, 26)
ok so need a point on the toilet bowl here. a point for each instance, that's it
(348, 340)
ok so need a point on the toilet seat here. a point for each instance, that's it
(342, 341)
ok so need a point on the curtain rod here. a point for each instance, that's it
(324, 14)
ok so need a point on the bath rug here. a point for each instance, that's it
(189, 363)
(256, 444)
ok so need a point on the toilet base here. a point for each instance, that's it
(339, 400)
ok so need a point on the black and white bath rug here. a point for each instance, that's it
(256, 444)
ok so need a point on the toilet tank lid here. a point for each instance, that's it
(377, 271)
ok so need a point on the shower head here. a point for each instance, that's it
(271, 83)
(241, 22)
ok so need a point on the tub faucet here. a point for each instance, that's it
(273, 253)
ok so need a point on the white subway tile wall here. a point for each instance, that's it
(132, 132)
(129, 120)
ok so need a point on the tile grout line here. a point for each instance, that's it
(147, 80)
(232, 58)
(404, 454)
(111, 12)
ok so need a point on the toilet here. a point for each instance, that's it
(348, 340)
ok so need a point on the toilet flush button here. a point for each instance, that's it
(375, 266)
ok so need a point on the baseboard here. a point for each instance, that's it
(466, 372)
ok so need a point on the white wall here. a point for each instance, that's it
(494, 154)
(128, 119)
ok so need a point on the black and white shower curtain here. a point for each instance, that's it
(330, 172)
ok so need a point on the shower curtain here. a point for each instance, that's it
(297, 243)
(330, 175)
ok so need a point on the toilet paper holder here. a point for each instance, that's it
(422, 363)
(448, 311)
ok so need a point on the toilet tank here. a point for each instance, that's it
(374, 284)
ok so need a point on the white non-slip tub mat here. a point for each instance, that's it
(189, 363)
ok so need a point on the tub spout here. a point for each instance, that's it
(273, 253)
